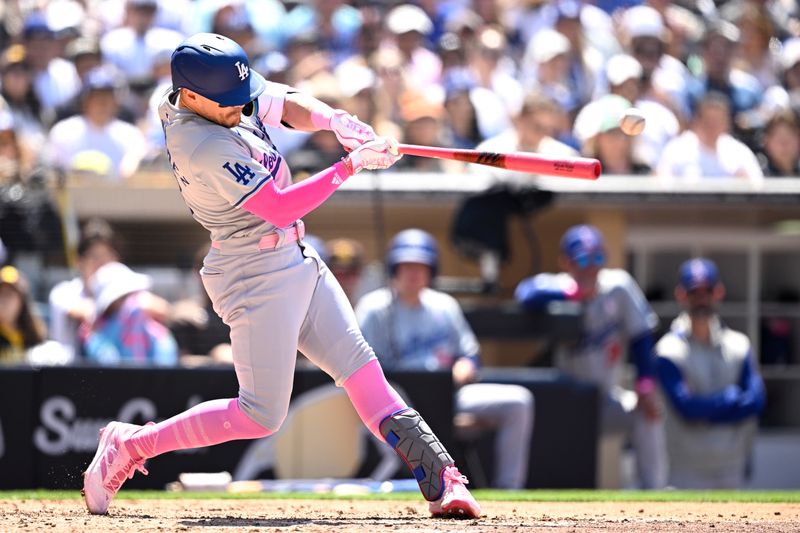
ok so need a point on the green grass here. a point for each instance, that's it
(482, 495)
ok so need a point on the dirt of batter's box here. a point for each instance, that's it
(211, 516)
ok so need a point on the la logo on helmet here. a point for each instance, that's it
(243, 69)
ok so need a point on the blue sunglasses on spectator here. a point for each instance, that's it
(597, 258)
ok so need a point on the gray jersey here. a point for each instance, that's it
(218, 167)
(618, 314)
(429, 337)
(706, 451)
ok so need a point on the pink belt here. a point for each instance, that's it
(281, 237)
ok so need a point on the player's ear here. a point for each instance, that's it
(680, 295)
(718, 292)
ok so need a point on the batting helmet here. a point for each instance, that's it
(413, 246)
(217, 68)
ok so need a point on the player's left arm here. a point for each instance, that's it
(640, 322)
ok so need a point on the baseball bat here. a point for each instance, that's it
(569, 167)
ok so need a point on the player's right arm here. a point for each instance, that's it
(535, 292)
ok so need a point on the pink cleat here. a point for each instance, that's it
(456, 501)
(111, 466)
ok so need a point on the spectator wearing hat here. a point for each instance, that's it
(72, 303)
(408, 25)
(546, 69)
(664, 77)
(709, 375)
(122, 331)
(461, 121)
(623, 74)
(707, 149)
(95, 141)
(741, 88)
(617, 320)
(20, 329)
(132, 47)
(780, 145)
(18, 91)
(54, 78)
(422, 119)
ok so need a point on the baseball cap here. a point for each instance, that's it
(37, 25)
(114, 280)
(406, 18)
(643, 21)
(547, 44)
(698, 272)
(621, 68)
(584, 246)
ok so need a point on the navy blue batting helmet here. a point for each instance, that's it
(217, 68)
(413, 246)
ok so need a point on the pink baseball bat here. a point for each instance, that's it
(569, 167)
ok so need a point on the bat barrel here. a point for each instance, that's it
(571, 167)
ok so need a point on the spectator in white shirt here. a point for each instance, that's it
(707, 149)
(95, 141)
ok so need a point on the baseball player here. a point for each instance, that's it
(412, 326)
(268, 285)
(709, 376)
(616, 319)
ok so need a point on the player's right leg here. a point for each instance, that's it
(263, 298)
(331, 339)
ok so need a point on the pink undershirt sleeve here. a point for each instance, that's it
(281, 207)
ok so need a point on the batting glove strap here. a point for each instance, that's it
(350, 131)
(413, 440)
(374, 155)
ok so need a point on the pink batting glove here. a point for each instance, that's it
(350, 131)
(377, 154)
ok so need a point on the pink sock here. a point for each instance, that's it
(204, 424)
(372, 396)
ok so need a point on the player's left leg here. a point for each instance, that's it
(510, 410)
(331, 339)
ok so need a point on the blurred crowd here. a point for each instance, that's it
(718, 82)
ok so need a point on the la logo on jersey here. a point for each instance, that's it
(243, 69)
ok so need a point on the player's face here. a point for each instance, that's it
(228, 116)
(411, 278)
(700, 301)
(584, 270)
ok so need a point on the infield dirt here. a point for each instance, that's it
(228, 515)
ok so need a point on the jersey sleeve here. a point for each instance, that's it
(639, 316)
(226, 166)
(467, 342)
(270, 104)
